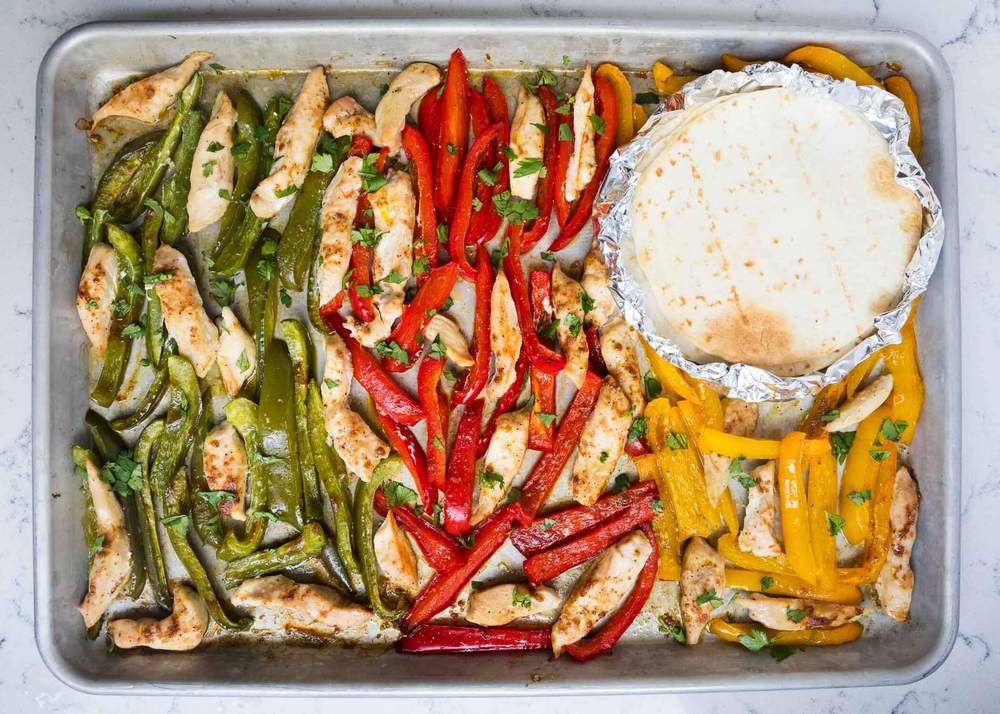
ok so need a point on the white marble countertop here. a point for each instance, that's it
(967, 31)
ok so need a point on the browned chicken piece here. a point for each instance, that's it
(790, 613)
(596, 282)
(237, 357)
(601, 443)
(225, 462)
(502, 604)
(184, 313)
(346, 117)
(213, 167)
(456, 347)
(894, 585)
(183, 629)
(505, 340)
(569, 312)
(96, 293)
(862, 404)
(527, 141)
(502, 461)
(757, 535)
(405, 88)
(618, 343)
(304, 605)
(703, 576)
(340, 205)
(583, 160)
(740, 419)
(396, 559)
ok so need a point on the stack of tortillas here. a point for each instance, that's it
(770, 229)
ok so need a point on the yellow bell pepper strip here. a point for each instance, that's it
(745, 447)
(712, 408)
(694, 419)
(858, 479)
(674, 383)
(877, 548)
(735, 631)
(758, 581)
(822, 499)
(831, 62)
(623, 94)
(729, 550)
(661, 75)
(680, 439)
(857, 376)
(732, 63)
(826, 399)
(664, 523)
(794, 507)
(901, 87)
(638, 118)
(907, 396)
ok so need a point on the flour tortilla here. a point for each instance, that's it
(770, 230)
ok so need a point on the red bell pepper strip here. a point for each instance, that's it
(450, 638)
(361, 274)
(361, 145)
(563, 154)
(496, 109)
(545, 531)
(548, 468)
(637, 448)
(429, 121)
(596, 362)
(462, 213)
(461, 475)
(454, 135)
(545, 566)
(385, 393)
(428, 378)
(481, 120)
(543, 385)
(477, 376)
(444, 588)
(478, 118)
(406, 445)
(420, 159)
(442, 553)
(504, 404)
(542, 357)
(430, 296)
(607, 109)
(537, 229)
(604, 640)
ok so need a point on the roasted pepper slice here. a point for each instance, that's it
(543, 384)
(364, 532)
(907, 385)
(831, 62)
(441, 551)
(745, 447)
(461, 475)
(860, 470)
(182, 418)
(773, 583)
(795, 527)
(406, 445)
(428, 379)
(430, 297)
(462, 214)
(665, 522)
(901, 87)
(308, 544)
(537, 229)
(453, 137)
(624, 130)
(262, 303)
(177, 185)
(300, 351)
(439, 639)
(204, 515)
(426, 249)
(243, 415)
(504, 404)
(822, 499)
(278, 442)
(736, 631)
(477, 376)
(429, 121)
(156, 570)
(247, 154)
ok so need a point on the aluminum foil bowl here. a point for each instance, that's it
(613, 210)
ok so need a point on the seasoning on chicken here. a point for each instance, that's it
(894, 585)
(304, 605)
(183, 311)
(394, 212)
(502, 462)
(596, 282)
(456, 347)
(583, 160)
(340, 206)
(396, 559)
(601, 590)
(569, 313)
(505, 340)
(527, 141)
(225, 462)
(183, 629)
(757, 535)
(146, 99)
(601, 443)
(405, 88)
(502, 604)
(618, 345)
(96, 294)
(740, 418)
(345, 117)
(237, 357)
(337, 371)
(293, 147)
(861, 405)
(109, 570)
(703, 575)
(212, 167)
(788, 613)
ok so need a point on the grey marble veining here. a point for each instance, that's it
(968, 33)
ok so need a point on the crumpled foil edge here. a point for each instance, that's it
(613, 211)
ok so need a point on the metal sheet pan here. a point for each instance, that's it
(78, 69)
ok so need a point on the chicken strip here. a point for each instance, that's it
(405, 88)
(789, 613)
(182, 630)
(583, 160)
(184, 313)
(354, 440)
(502, 462)
(225, 462)
(505, 340)
(340, 206)
(862, 404)
(757, 535)
(337, 371)
(146, 99)
(527, 141)
(304, 604)
(601, 590)
(396, 559)
(618, 345)
(596, 282)
(703, 575)
(345, 117)
(109, 569)
(740, 418)
(569, 313)
(96, 293)
(502, 604)
(894, 585)
(237, 357)
(212, 168)
(455, 345)
(601, 443)
(293, 147)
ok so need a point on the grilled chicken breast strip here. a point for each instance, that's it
(583, 160)
(340, 207)
(304, 605)
(184, 313)
(505, 340)
(237, 357)
(788, 613)
(183, 629)
(527, 141)
(396, 559)
(757, 535)
(213, 167)
(618, 343)
(405, 88)
(596, 282)
(456, 347)
(894, 585)
(569, 311)
(96, 293)
(601, 443)
(504, 457)
(703, 576)
(224, 458)
(861, 405)
(345, 117)
(502, 604)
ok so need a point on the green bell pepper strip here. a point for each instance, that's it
(207, 522)
(130, 201)
(274, 114)
(182, 417)
(262, 305)
(131, 295)
(308, 544)
(332, 474)
(234, 253)
(177, 185)
(242, 414)
(278, 444)
(106, 440)
(338, 575)
(154, 394)
(89, 523)
(300, 350)
(246, 157)
(149, 239)
(156, 569)
(364, 533)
